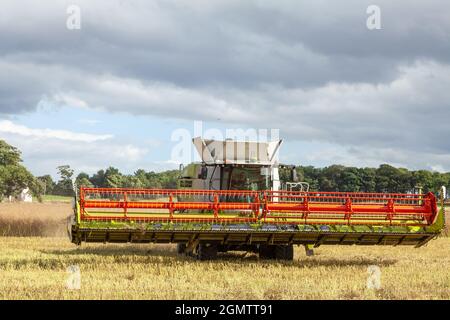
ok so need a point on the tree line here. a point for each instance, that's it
(109, 178)
(385, 178)
(14, 177)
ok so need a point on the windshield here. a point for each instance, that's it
(248, 178)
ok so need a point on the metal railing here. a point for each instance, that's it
(234, 206)
(354, 208)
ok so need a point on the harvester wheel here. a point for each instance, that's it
(181, 248)
(206, 251)
(284, 252)
(266, 252)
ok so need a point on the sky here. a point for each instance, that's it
(115, 89)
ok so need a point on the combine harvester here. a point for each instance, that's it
(234, 200)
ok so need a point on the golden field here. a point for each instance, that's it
(34, 219)
(36, 268)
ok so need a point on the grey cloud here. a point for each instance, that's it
(409, 113)
(312, 69)
(232, 43)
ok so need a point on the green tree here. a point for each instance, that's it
(64, 186)
(439, 180)
(312, 175)
(82, 180)
(47, 183)
(350, 180)
(404, 181)
(385, 178)
(327, 184)
(9, 155)
(367, 176)
(423, 179)
(141, 175)
(152, 180)
(65, 172)
(132, 181)
(168, 179)
(14, 177)
(330, 179)
(98, 179)
(113, 178)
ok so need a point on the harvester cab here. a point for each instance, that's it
(236, 165)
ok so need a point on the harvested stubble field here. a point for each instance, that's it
(36, 268)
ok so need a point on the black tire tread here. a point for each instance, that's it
(284, 252)
(206, 252)
(267, 252)
(181, 248)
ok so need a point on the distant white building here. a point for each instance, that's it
(25, 196)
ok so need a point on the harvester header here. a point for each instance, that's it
(273, 207)
(234, 199)
(263, 218)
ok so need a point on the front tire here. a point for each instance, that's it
(181, 248)
(267, 252)
(207, 251)
(285, 252)
(276, 252)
